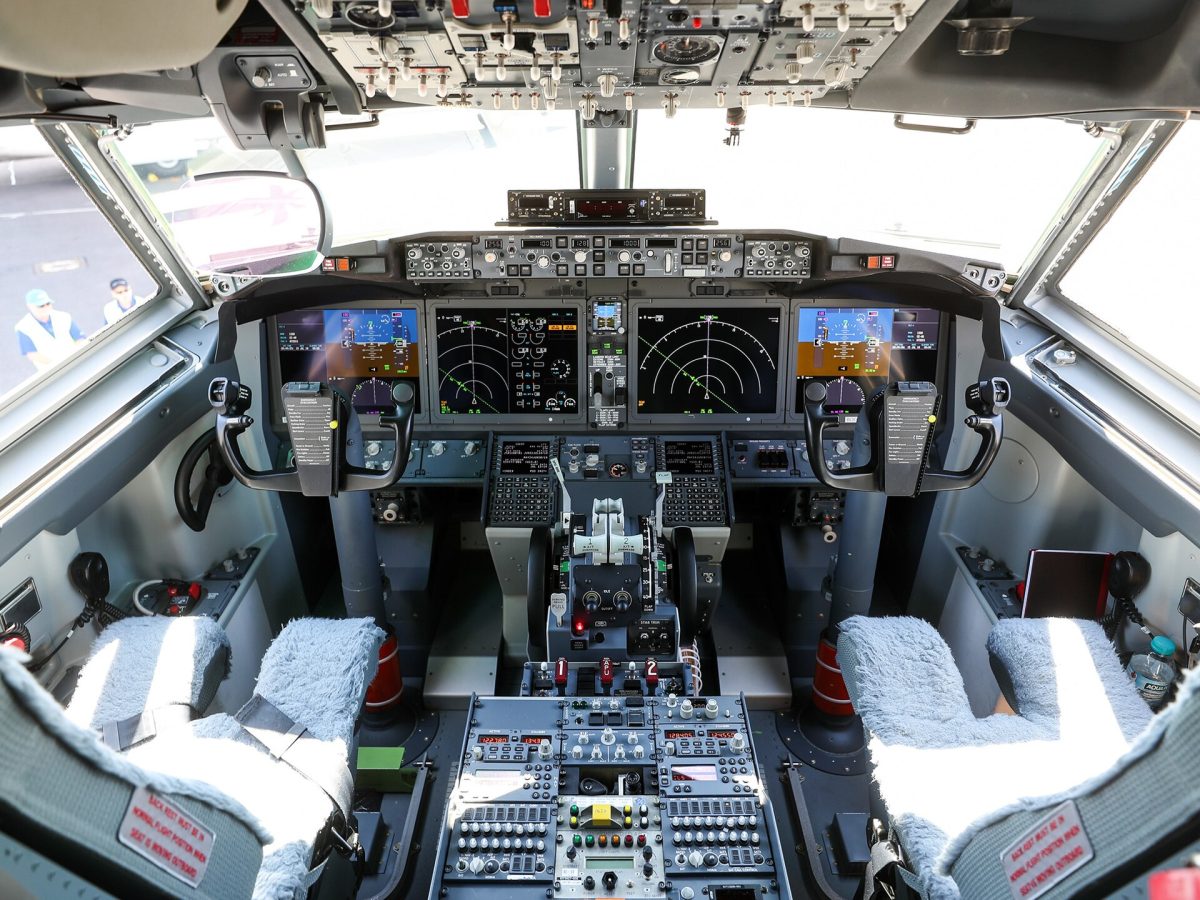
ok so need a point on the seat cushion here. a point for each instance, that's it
(940, 768)
(316, 672)
(149, 663)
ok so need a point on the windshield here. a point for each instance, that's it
(989, 194)
(421, 169)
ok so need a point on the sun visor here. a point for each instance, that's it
(110, 38)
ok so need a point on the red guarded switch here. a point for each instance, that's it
(560, 672)
(606, 671)
(541, 9)
(460, 8)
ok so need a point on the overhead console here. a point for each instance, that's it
(611, 57)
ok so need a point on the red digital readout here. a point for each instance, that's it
(533, 739)
(493, 739)
(675, 735)
(721, 735)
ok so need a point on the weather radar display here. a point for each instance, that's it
(707, 361)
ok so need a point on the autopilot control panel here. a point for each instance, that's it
(630, 795)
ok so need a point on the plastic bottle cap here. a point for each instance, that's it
(1162, 645)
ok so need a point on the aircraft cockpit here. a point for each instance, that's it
(597, 449)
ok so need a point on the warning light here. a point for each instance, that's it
(697, 22)
(579, 625)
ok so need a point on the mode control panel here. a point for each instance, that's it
(651, 255)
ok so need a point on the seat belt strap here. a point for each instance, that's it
(128, 732)
(291, 743)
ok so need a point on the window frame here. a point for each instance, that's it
(45, 395)
(1038, 292)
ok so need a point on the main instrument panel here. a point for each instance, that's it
(608, 363)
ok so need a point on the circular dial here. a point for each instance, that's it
(686, 49)
(372, 395)
(843, 394)
(709, 363)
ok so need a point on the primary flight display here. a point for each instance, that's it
(361, 352)
(857, 350)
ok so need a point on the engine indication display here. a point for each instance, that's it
(716, 361)
(361, 352)
(504, 360)
(858, 350)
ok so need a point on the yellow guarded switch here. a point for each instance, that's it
(601, 814)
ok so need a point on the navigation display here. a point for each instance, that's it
(506, 360)
(857, 350)
(361, 352)
(712, 361)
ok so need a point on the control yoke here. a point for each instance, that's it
(901, 416)
(317, 420)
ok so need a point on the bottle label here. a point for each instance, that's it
(1152, 690)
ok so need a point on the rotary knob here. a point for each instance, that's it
(608, 736)
(685, 709)
(695, 859)
(710, 708)
(437, 448)
(738, 742)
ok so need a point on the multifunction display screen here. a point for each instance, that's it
(688, 457)
(525, 458)
(707, 361)
(502, 361)
(361, 352)
(857, 350)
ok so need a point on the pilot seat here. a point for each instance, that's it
(1034, 804)
(229, 805)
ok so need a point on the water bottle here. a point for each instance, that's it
(1153, 672)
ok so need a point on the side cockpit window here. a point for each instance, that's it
(65, 274)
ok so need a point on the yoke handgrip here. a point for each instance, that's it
(231, 400)
(816, 420)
